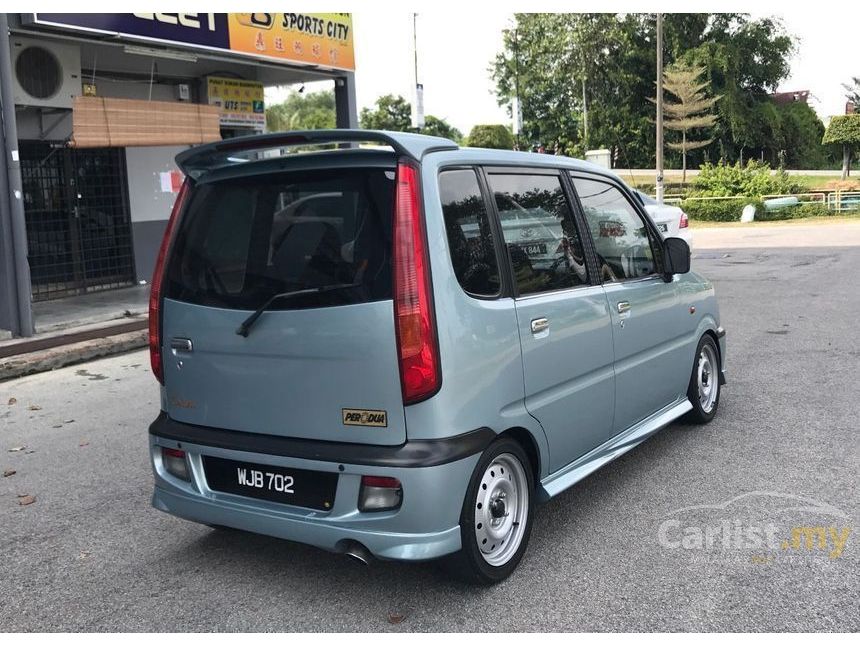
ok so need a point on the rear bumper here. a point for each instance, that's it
(426, 525)
(321, 534)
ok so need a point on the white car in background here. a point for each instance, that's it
(670, 220)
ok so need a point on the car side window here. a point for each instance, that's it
(470, 238)
(544, 244)
(624, 244)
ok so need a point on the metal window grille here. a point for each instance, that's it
(78, 225)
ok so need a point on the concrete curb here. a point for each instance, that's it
(55, 357)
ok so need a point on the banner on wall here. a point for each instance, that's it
(240, 102)
(324, 40)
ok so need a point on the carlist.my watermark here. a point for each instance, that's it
(766, 525)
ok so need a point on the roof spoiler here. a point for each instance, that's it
(199, 160)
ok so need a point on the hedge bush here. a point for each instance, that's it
(491, 136)
(718, 210)
(752, 180)
(808, 209)
(729, 210)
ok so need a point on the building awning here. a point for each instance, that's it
(99, 122)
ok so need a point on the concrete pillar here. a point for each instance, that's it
(13, 226)
(344, 101)
(8, 289)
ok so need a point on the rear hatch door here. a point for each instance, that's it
(319, 365)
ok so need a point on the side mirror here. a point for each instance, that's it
(676, 256)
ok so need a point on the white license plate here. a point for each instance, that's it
(534, 249)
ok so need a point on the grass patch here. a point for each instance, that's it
(828, 182)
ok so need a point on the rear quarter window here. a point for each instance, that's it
(244, 240)
(470, 238)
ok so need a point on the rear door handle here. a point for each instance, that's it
(623, 307)
(181, 345)
(539, 325)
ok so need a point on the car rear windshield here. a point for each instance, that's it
(241, 241)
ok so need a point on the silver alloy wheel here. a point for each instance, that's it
(707, 379)
(501, 509)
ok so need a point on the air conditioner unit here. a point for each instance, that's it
(45, 73)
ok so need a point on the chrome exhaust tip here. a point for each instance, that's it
(358, 551)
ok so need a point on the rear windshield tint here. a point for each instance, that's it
(244, 240)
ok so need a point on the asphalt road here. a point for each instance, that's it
(90, 553)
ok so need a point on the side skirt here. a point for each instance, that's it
(612, 449)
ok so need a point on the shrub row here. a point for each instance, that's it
(809, 209)
(729, 210)
(718, 210)
(753, 178)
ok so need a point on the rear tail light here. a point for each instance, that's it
(155, 286)
(414, 321)
(684, 221)
(175, 463)
(379, 493)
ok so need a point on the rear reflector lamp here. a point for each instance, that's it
(379, 493)
(176, 463)
(155, 287)
(414, 321)
(684, 221)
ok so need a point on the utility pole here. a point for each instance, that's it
(12, 222)
(516, 108)
(584, 115)
(418, 108)
(659, 188)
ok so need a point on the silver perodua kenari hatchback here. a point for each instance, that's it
(397, 349)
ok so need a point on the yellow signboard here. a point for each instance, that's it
(323, 39)
(240, 102)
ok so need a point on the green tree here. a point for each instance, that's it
(799, 137)
(546, 59)
(302, 111)
(395, 113)
(551, 58)
(496, 136)
(844, 130)
(390, 113)
(691, 110)
(746, 60)
(440, 128)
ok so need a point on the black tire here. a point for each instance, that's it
(699, 415)
(468, 564)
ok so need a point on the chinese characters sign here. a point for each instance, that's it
(323, 39)
(240, 102)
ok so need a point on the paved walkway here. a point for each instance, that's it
(97, 307)
(77, 329)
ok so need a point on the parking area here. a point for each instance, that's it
(626, 549)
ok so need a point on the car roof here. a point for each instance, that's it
(515, 158)
(201, 160)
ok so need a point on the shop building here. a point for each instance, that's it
(102, 105)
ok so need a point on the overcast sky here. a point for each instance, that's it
(454, 55)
